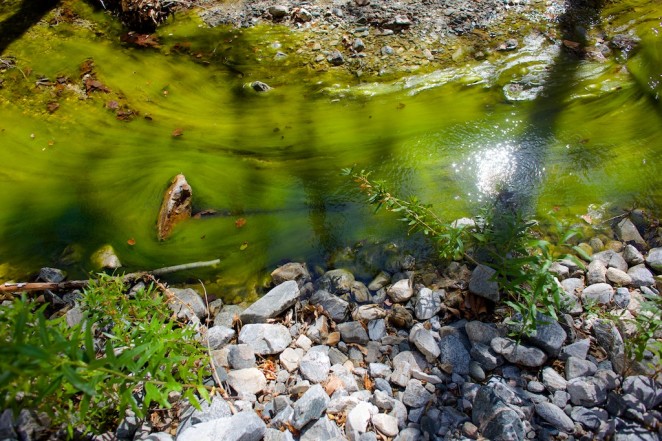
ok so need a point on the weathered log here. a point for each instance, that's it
(78, 284)
(176, 206)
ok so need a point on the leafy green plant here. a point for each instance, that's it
(126, 353)
(643, 344)
(501, 238)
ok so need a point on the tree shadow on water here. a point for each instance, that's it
(28, 14)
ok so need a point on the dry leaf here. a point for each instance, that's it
(177, 132)
(368, 384)
(131, 241)
(332, 384)
(240, 222)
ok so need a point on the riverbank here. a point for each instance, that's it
(424, 352)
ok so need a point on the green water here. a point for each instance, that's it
(80, 176)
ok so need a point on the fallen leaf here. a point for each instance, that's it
(131, 241)
(52, 107)
(587, 218)
(243, 246)
(112, 104)
(368, 384)
(177, 132)
(240, 222)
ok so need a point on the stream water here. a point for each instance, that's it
(570, 135)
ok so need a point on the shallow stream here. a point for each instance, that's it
(569, 135)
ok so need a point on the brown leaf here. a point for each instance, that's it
(239, 223)
(368, 384)
(52, 107)
(177, 132)
(332, 384)
(131, 241)
(112, 104)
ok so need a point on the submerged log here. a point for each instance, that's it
(176, 206)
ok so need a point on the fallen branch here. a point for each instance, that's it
(78, 284)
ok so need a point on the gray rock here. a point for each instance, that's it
(368, 312)
(249, 380)
(481, 283)
(337, 308)
(632, 255)
(51, 275)
(654, 259)
(360, 292)
(617, 262)
(561, 398)
(277, 435)
(453, 353)
(578, 349)
(618, 277)
(265, 339)
(427, 303)
(622, 297)
(599, 293)
(644, 389)
(627, 232)
(241, 356)
(336, 58)
(278, 11)
(587, 391)
(105, 258)
(291, 271)
(553, 380)
(572, 286)
(548, 335)
(610, 340)
(259, 86)
(75, 316)
(555, 416)
(641, 276)
(415, 394)
(315, 366)
(425, 342)
(244, 426)
(272, 304)
(33, 426)
(7, 426)
(518, 353)
(535, 387)
(576, 367)
(219, 336)
(591, 419)
(358, 419)
(380, 281)
(322, 429)
(338, 281)
(186, 303)
(491, 413)
(353, 332)
(376, 329)
(479, 332)
(290, 359)
(401, 291)
(484, 355)
(310, 406)
(227, 315)
(218, 408)
(561, 271)
(385, 424)
(158, 436)
(596, 272)
(476, 371)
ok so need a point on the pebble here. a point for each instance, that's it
(555, 416)
(265, 339)
(481, 283)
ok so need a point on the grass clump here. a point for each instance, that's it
(126, 353)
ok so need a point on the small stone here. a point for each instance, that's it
(622, 297)
(250, 380)
(241, 357)
(218, 408)
(376, 329)
(632, 255)
(561, 271)
(219, 336)
(314, 366)
(476, 371)
(453, 353)
(353, 332)
(276, 435)
(591, 419)
(548, 334)
(337, 308)
(596, 272)
(481, 283)
(186, 303)
(618, 277)
(428, 303)
(272, 304)
(401, 291)
(484, 355)
(291, 271)
(555, 416)
(322, 429)
(479, 332)
(368, 312)
(654, 259)
(226, 317)
(627, 232)
(380, 281)
(644, 389)
(360, 292)
(599, 293)
(415, 394)
(259, 86)
(303, 342)
(358, 419)
(337, 281)
(425, 342)
(535, 387)
(358, 45)
(609, 338)
(310, 406)
(578, 349)
(385, 424)
(335, 58)
(265, 339)
(572, 286)
(587, 391)
(517, 353)
(290, 359)
(105, 258)
(576, 367)
(278, 11)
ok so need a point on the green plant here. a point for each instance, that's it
(643, 344)
(126, 353)
(502, 238)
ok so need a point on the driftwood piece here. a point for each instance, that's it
(78, 284)
(176, 206)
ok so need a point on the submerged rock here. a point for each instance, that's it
(176, 206)
(105, 258)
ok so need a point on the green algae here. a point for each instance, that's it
(93, 170)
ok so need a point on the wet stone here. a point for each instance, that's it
(291, 271)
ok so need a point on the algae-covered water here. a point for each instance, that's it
(86, 164)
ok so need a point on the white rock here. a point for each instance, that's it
(386, 424)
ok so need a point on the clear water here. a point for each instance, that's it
(579, 134)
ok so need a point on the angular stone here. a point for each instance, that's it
(587, 391)
(641, 276)
(358, 419)
(622, 297)
(596, 272)
(226, 317)
(555, 416)
(453, 353)
(517, 353)
(385, 424)
(291, 271)
(617, 262)
(572, 286)
(425, 342)
(368, 312)
(428, 303)
(376, 329)
(481, 283)
(380, 281)
(610, 340)
(553, 380)
(175, 207)
(265, 339)
(310, 406)
(290, 359)
(591, 419)
(337, 308)
(479, 332)
(627, 232)
(322, 429)
(484, 355)
(249, 380)
(241, 357)
(415, 394)
(599, 293)
(644, 389)
(360, 292)
(353, 332)
(276, 435)
(401, 291)
(578, 349)
(632, 255)
(576, 367)
(548, 335)
(105, 258)
(219, 336)
(315, 366)
(244, 426)
(492, 415)
(186, 303)
(218, 408)
(272, 304)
